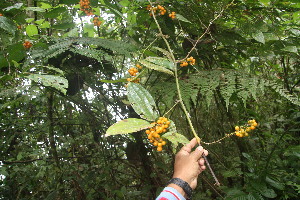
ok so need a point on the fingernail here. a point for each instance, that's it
(200, 148)
(205, 152)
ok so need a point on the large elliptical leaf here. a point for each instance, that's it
(142, 101)
(129, 125)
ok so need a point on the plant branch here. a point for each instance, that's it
(207, 30)
(188, 117)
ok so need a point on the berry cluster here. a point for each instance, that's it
(243, 131)
(161, 126)
(188, 61)
(133, 71)
(172, 15)
(96, 21)
(27, 44)
(85, 6)
(159, 8)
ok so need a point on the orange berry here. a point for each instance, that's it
(147, 132)
(163, 143)
(138, 66)
(159, 148)
(159, 144)
(155, 143)
(252, 127)
(237, 128)
(254, 124)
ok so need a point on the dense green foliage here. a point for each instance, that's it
(59, 96)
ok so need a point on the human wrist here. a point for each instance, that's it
(181, 186)
(178, 188)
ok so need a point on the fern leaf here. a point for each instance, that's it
(227, 86)
(283, 92)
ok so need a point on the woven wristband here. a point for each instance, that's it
(184, 185)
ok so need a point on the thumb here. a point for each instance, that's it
(197, 154)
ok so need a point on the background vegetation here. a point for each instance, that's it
(63, 88)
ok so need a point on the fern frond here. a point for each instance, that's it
(283, 92)
(90, 47)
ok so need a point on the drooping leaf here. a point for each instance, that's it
(161, 61)
(16, 6)
(292, 49)
(35, 9)
(156, 67)
(175, 138)
(7, 25)
(181, 18)
(259, 36)
(113, 81)
(58, 82)
(142, 101)
(275, 184)
(129, 125)
(165, 52)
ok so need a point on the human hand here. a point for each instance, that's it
(188, 165)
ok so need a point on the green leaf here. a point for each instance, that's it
(16, 52)
(16, 6)
(113, 81)
(269, 193)
(29, 20)
(58, 82)
(68, 2)
(7, 25)
(52, 196)
(64, 25)
(31, 30)
(45, 5)
(55, 12)
(61, 72)
(124, 3)
(292, 49)
(46, 24)
(39, 22)
(156, 67)
(161, 61)
(181, 18)
(142, 102)
(259, 36)
(265, 2)
(36, 9)
(176, 138)
(129, 125)
(3, 171)
(275, 184)
(165, 52)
